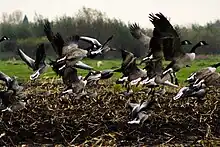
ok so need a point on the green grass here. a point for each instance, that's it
(20, 69)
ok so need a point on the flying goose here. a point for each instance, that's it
(139, 111)
(172, 45)
(11, 82)
(213, 79)
(137, 33)
(4, 38)
(38, 65)
(68, 50)
(191, 91)
(155, 65)
(130, 69)
(72, 81)
(97, 46)
(95, 76)
(150, 56)
(202, 73)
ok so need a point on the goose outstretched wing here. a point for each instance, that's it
(137, 33)
(28, 60)
(171, 43)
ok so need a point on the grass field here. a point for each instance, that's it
(20, 69)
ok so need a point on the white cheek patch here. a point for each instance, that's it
(201, 43)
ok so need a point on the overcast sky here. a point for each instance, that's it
(182, 12)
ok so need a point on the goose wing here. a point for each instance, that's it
(40, 55)
(126, 57)
(137, 33)
(70, 44)
(172, 43)
(55, 41)
(29, 61)
(91, 40)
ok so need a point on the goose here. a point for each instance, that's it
(213, 79)
(38, 65)
(191, 91)
(6, 98)
(139, 111)
(73, 83)
(11, 83)
(97, 47)
(4, 38)
(172, 45)
(137, 33)
(150, 56)
(130, 69)
(68, 50)
(202, 73)
(95, 76)
(155, 67)
(184, 59)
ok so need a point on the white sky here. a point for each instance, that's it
(182, 12)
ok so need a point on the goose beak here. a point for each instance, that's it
(82, 65)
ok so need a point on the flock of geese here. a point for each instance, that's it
(164, 45)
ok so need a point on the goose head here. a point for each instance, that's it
(185, 42)
(202, 43)
(5, 38)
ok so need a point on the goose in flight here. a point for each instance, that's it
(130, 69)
(38, 65)
(96, 46)
(67, 50)
(72, 81)
(137, 33)
(202, 73)
(172, 49)
(140, 112)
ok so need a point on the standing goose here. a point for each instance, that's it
(4, 38)
(202, 73)
(184, 59)
(38, 65)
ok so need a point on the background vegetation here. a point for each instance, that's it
(89, 22)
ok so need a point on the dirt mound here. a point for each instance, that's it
(102, 119)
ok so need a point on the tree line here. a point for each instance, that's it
(90, 22)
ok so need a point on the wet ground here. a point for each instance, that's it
(102, 119)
